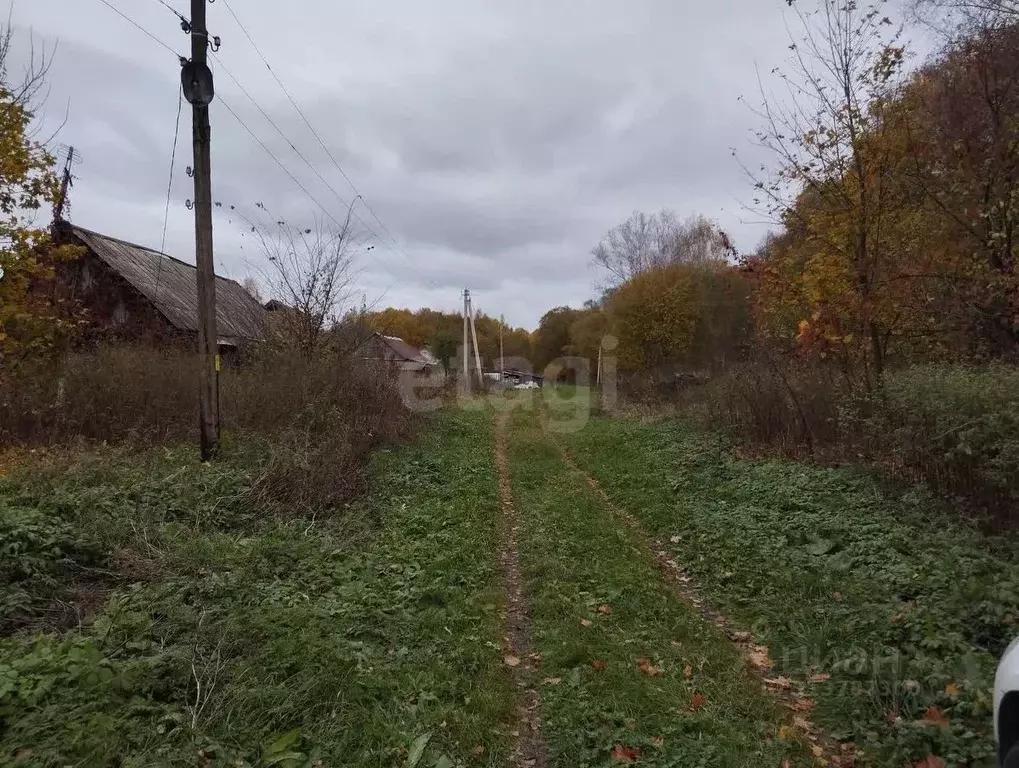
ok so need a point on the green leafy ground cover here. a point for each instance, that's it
(226, 636)
(904, 609)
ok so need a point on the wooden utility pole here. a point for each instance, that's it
(502, 354)
(201, 93)
(466, 347)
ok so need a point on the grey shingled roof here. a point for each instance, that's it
(172, 287)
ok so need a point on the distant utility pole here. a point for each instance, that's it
(502, 354)
(466, 347)
(196, 79)
(477, 353)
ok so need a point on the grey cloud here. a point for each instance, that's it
(497, 141)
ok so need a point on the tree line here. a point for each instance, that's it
(895, 198)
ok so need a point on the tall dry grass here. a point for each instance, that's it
(314, 420)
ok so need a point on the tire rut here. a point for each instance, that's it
(791, 694)
(529, 750)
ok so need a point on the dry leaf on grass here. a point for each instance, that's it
(552, 680)
(511, 661)
(605, 609)
(621, 754)
(778, 682)
(931, 761)
(676, 539)
(697, 702)
(952, 690)
(935, 716)
(819, 678)
(586, 622)
(688, 672)
(645, 666)
(800, 705)
(598, 664)
(818, 752)
(759, 657)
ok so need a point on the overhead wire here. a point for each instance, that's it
(169, 188)
(315, 133)
(244, 125)
(139, 27)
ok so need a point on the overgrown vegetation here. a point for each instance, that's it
(231, 633)
(892, 612)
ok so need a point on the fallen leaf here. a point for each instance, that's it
(819, 678)
(952, 690)
(740, 636)
(676, 539)
(688, 672)
(759, 657)
(787, 733)
(778, 682)
(802, 723)
(645, 666)
(838, 596)
(800, 705)
(787, 764)
(552, 680)
(818, 752)
(935, 716)
(621, 754)
(586, 622)
(605, 609)
(479, 750)
(698, 702)
(511, 661)
(931, 761)
(658, 742)
(598, 664)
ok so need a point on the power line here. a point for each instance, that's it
(139, 27)
(313, 131)
(285, 138)
(175, 12)
(276, 160)
(169, 184)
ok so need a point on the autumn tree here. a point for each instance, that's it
(964, 132)
(34, 314)
(553, 338)
(654, 316)
(832, 179)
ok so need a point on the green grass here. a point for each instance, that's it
(226, 637)
(576, 559)
(905, 610)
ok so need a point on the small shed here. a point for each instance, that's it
(135, 293)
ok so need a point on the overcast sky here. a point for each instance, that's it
(496, 139)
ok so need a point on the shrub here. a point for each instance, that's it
(954, 429)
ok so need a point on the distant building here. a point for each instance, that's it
(133, 293)
(395, 351)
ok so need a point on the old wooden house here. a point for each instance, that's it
(133, 293)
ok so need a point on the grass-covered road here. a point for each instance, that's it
(624, 594)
